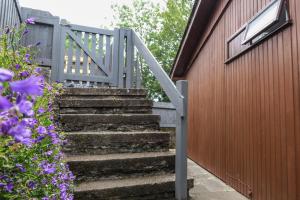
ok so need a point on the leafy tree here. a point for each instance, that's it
(161, 27)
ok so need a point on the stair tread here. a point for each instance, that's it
(105, 91)
(117, 133)
(121, 156)
(121, 114)
(111, 102)
(128, 182)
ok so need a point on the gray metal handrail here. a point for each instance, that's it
(164, 80)
(178, 96)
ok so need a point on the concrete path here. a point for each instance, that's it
(209, 187)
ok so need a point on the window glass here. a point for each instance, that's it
(263, 20)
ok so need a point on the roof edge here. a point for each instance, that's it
(197, 24)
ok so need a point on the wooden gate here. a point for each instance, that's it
(86, 55)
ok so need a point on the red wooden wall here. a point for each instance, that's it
(244, 117)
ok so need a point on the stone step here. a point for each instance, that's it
(142, 188)
(100, 143)
(101, 122)
(103, 93)
(118, 166)
(105, 106)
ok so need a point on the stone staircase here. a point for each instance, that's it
(115, 147)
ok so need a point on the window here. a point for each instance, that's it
(267, 22)
(263, 20)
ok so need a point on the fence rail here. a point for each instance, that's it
(10, 13)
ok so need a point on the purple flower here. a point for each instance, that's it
(25, 107)
(30, 20)
(9, 187)
(21, 134)
(31, 184)
(47, 167)
(18, 66)
(25, 32)
(41, 130)
(49, 153)
(26, 141)
(24, 74)
(6, 125)
(5, 104)
(27, 58)
(51, 128)
(45, 198)
(41, 110)
(31, 86)
(5, 75)
(29, 122)
(20, 167)
(38, 70)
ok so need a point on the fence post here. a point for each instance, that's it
(115, 60)
(181, 145)
(62, 46)
(56, 52)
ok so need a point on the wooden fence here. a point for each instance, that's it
(109, 58)
(10, 13)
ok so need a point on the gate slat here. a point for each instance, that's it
(129, 57)
(70, 56)
(85, 56)
(100, 46)
(93, 65)
(121, 59)
(78, 55)
(108, 53)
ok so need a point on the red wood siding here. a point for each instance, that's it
(245, 116)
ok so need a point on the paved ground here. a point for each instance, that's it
(208, 187)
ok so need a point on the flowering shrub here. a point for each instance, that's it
(31, 163)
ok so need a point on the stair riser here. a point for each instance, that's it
(110, 122)
(116, 143)
(123, 110)
(114, 169)
(110, 106)
(163, 191)
(104, 92)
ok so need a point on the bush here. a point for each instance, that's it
(31, 162)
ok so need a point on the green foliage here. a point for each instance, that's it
(161, 29)
(21, 166)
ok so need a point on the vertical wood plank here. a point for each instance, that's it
(56, 54)
(121, 59)
(63, 36)
(70, 55)
(129, 59)
(100, 47)
(93, 66)
(115, 61)
(108, 53)
(85, 56)
(78, 55)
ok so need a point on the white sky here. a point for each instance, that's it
(95, 13)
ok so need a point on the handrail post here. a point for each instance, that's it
(181, 145)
